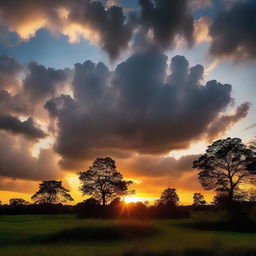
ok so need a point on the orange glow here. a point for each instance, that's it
(132, 199)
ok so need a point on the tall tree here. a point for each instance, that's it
(51, 192)
(226, 165)
(18, 201)
(198, 199)
(169, 197)
(103, 181)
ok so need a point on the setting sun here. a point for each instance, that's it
(132, 199)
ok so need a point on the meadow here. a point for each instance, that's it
(67, 235)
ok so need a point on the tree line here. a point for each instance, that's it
(227, 167)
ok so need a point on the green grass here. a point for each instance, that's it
(66, 235)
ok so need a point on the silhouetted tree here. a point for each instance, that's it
(91, 202)
(18, 201)
(226, 164)
(51, 192)
(103, 181)
(198, 199)
(169, 197)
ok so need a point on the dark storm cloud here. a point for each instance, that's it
(42, 82)
(17, 162)
(27, 128)
(9, 70)
(138, 107)
(111, 24)
(167, 19)
(90, 81)
(233, 31)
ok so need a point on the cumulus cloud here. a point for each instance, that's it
(25, 88)
(16, 126)
(41, 82)
(111, 27)
(17, 162)
(9, 70)
(139, 107)
(167, 19)
(107, 27)
(233, 31)
(12, 103)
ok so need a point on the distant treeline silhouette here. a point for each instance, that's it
(91, 208)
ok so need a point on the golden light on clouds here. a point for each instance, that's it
(212, 65)
(201, 32)
(135, 199)
(193, 149)
(75, 31)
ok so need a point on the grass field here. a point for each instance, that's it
(66, 235)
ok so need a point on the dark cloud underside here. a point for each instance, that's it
(233, 31)
(138, 107)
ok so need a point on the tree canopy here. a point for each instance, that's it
(51, 192)
(226, 166)
(169, 197)
(103, 181)
(198, 199)
(18, 201)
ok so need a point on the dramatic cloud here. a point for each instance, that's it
(17, 162)
(9, 70)
(155, 166)
(139, 107)
(25, 88)
(110, 27)
(201, 31)
(107, 27)
(167, 19)
(17, 185)
(16, 126)
(233, 31)
(42, 82)
(12, 103)
(223, 122)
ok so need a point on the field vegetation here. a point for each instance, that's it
(66, 235)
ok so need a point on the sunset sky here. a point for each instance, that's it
(149, 83)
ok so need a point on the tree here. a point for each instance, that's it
(226, 165)
(18, 201)
(198, 199)
(91, 202)
(169, 197)
(103, 181)
(51, 192)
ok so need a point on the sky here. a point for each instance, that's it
(149, 83)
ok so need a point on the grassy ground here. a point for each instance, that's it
(65, 235)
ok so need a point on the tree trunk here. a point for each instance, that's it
(231, 194)
(103, 199)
